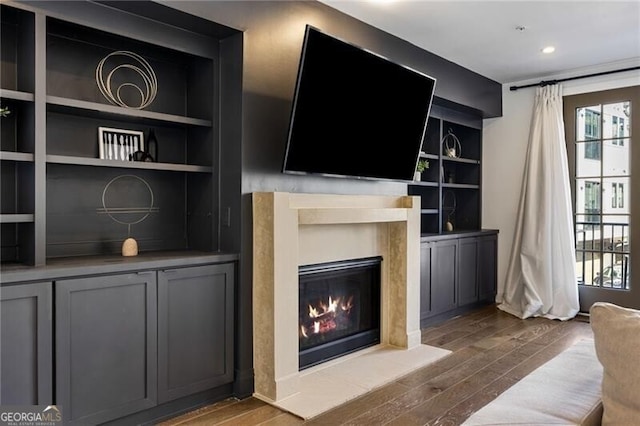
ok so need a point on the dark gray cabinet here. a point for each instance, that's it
(458, 272)
(487, 267)
(468, 271)
(444, 259)
(106, 359)
(426, 249)
(195, 329)
(26, 344)
(129, 342)
(438, 276)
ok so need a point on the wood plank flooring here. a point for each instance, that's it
(492, 350)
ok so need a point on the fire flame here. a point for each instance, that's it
(324, 317)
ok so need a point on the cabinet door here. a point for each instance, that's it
(443, 276)
(106, 346)
(487, 267)
(195, 329)
(425, 280)
(25, 345)
(468, 271)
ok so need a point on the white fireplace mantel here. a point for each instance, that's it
(290, 230)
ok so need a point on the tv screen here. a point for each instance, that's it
(355, 113)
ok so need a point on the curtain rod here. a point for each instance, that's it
(548, 82)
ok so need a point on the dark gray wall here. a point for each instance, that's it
(273, 35)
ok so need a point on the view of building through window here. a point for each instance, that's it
(602, 191)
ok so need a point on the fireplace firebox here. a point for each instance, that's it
(339, 309)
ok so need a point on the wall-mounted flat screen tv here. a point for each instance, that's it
(355, 113)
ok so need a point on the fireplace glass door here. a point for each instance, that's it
(339, 309)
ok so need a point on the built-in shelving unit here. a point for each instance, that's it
(17, 134)
(450, 189)
(70, 197)
(59, 198)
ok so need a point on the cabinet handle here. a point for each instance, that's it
(170, 271)
(144, 272)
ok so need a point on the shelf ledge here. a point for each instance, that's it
(429, 156)
(81, 161)
(16, 156)
(16, 218)
(128, 112)
(460, 160)
(424, 183)
(16, 95)
(460, 186)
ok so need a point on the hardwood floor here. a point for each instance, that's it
(492, 350)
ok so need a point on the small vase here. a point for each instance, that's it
(417, 176)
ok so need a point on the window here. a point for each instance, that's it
(600, 140)
(618, 130)
(592, 201)
(617, 195)
(592, 150)
(621, 195)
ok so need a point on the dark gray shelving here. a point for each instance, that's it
(450, 189)
(54, 181)
(65, 210)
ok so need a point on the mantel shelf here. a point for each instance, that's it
(327, 216)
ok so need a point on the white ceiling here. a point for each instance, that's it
(482, 35)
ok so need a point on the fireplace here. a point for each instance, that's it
(291, 230)
(339, 309)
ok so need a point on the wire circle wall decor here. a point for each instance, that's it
(117, 62)
(451, 144)
(139, 213)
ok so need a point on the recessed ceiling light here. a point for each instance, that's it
(549, 49)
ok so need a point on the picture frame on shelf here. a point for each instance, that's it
(119, 144)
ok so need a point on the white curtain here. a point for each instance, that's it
(541, 278)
